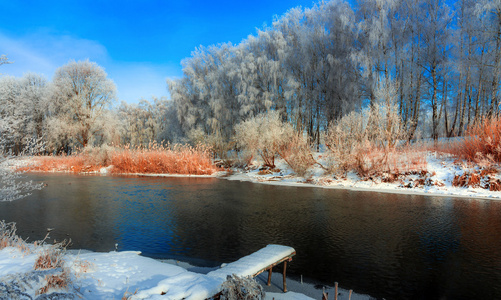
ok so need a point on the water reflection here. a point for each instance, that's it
(386, 245)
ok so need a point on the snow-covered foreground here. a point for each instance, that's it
(116, 275)
(441, 171)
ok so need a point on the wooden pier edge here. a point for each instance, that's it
(269, 268)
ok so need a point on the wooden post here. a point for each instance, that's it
(325, 296)
(285, 270)
(349, 295)
(269, 276)
(335, 290)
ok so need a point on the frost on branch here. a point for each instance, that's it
(268, 136)
(363, 141)
(12, 187)
(264, 134)
(241, 288)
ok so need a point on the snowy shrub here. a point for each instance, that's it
(39, 285)
(264, 135)
(98, 156)
(366, 141)
(8, 237)
(344, 137)
(297, 154)
(241, 288)
(12, 185)
(384, 123)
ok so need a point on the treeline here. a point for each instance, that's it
(317, 64)
(435, 67)
(75, 110)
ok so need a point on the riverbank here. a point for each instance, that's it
(441, 176)
(125, 275)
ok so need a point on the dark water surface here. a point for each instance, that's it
(386, 245)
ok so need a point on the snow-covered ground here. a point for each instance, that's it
(441, 171)
(128, 275)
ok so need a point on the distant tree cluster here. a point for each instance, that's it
(71, 111)
(74, 111)
(441, 65)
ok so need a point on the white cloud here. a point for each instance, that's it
(44, 52)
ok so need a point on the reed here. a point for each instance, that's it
(150, 159)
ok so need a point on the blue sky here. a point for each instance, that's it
(139, 43)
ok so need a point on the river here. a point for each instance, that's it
(389, 246)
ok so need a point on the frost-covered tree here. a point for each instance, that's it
(315, 65)
(81, 94)
(148, 122)
(435, 55)
(11, 188)
(4, 60)
(23, 107)
(488, 14)
(299, 66)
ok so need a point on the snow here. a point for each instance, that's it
(253, 263)
(441, 170)
(114, 275)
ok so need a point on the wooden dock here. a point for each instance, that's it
(258, 262)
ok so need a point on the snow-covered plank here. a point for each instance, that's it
(256, 263)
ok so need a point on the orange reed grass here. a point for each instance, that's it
(153, 159)
(483, 140)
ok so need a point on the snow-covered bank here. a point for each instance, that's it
(119, 275)
(441, 170)
(437, 181)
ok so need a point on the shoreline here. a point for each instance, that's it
(351, 183)
(243, 177)
(396, 190)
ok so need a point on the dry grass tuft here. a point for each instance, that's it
(128, 295)
(481, 144)
(482, 178)
(58, 281)
(483, 140)
(8, 237)
(69, 163)
(387, 163)
(50, 261)
(50, 258)
(153, 159)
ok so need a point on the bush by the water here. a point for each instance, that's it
(367, 142)
(268, 136)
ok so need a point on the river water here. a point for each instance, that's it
(386, 245)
